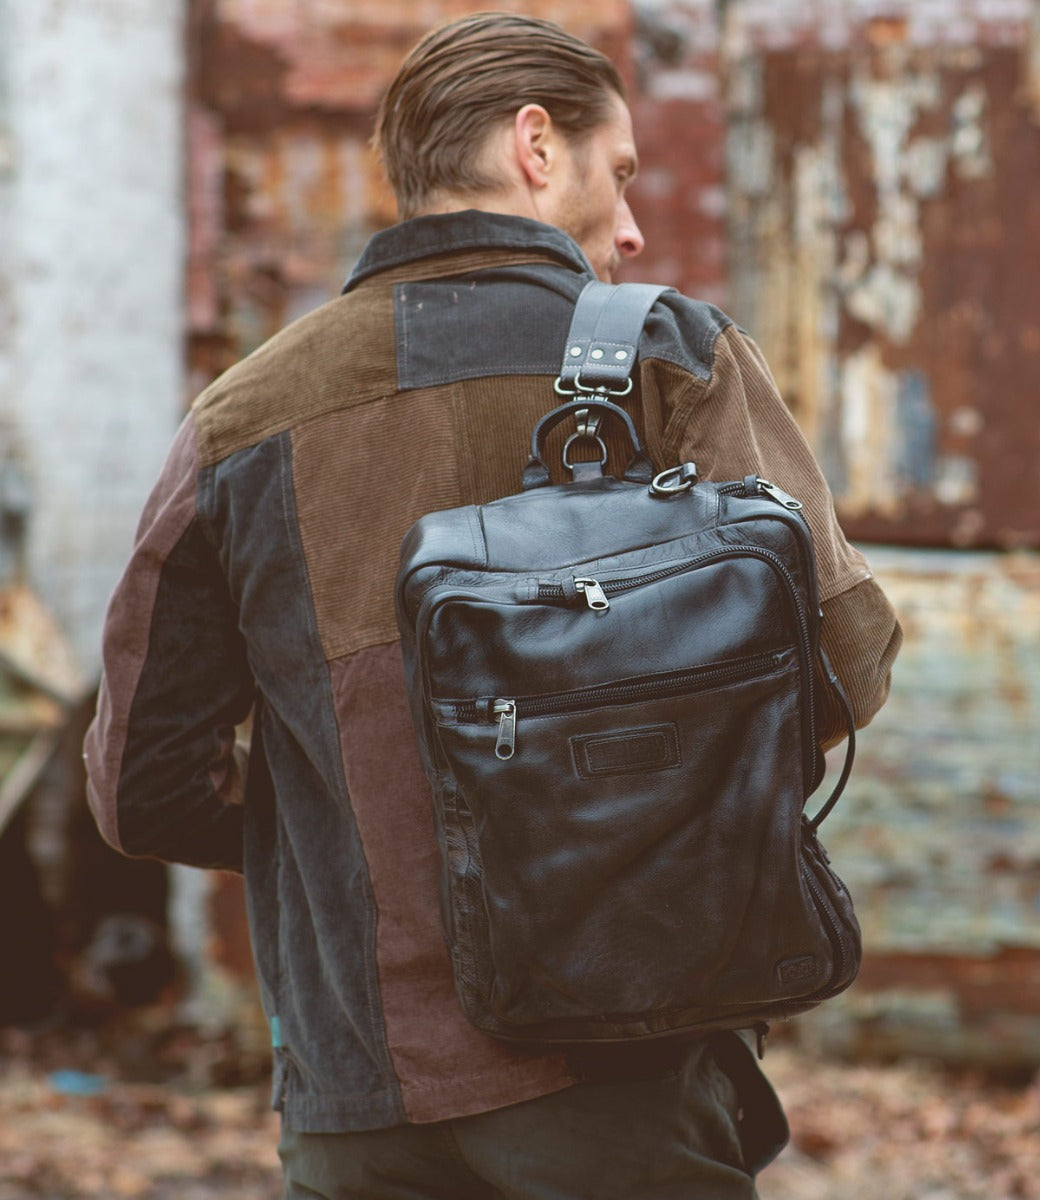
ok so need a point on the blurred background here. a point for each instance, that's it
(856, 181)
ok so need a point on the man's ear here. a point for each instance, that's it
(535, 140)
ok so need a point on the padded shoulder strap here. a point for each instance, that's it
(604, 334)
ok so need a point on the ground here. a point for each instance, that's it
(184, 1116)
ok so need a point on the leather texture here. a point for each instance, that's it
(604, 333)
(614, 695)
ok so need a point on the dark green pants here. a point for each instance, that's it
(699, 1130)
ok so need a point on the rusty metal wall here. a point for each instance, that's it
(678, 113)
(885, 242)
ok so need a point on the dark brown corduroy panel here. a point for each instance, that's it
(459, 1071)
(340, 355)
(168, 513)
(355, 502)
(496, 418)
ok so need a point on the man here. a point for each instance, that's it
(262, 580)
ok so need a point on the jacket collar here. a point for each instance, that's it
(468, 231)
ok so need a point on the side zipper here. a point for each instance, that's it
(812, 866)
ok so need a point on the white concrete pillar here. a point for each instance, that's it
(92, 247)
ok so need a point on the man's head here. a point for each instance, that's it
(511, 114)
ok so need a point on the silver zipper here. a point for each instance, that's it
(779, 495)
(505, 747)
(595, 596)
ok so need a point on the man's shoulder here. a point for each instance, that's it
(684, 331)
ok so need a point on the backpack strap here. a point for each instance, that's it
(604, 336)
(599, 356)
(850, 748)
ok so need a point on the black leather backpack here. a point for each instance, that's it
(614, 692)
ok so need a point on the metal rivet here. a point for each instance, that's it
(575, 351)
(621, 355)
(596, 354)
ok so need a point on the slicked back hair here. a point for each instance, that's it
(465, 79)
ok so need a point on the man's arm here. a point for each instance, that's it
(740, 425)
(164, 779)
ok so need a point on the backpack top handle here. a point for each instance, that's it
(536, 472)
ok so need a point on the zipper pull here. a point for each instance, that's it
(505, 747)
(779, 495)
(595, 596)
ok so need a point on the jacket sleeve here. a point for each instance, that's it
(737, 425)
(164, 778)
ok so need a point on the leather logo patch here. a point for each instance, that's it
(651, 748)
(797, 970)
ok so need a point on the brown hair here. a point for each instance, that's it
(463, 79)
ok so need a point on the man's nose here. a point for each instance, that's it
(628, 238)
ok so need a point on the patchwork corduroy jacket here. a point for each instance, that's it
(261, 582)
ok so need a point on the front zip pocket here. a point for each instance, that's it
(596, 594)
(507, 712)
(652, 784)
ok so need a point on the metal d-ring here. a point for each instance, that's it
(583, 437)
(602, 389)
(674, 481)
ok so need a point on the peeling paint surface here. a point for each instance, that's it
(677, 102)
(947, 787)
(884, 221)
(834, 24)
(938, 833)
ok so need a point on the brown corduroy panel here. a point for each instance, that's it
(862, 637)
(471, 441)
(354, 504)
(665, 389)
(496, 418)
(740, 426)
(460, 1071)
(340, 355)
